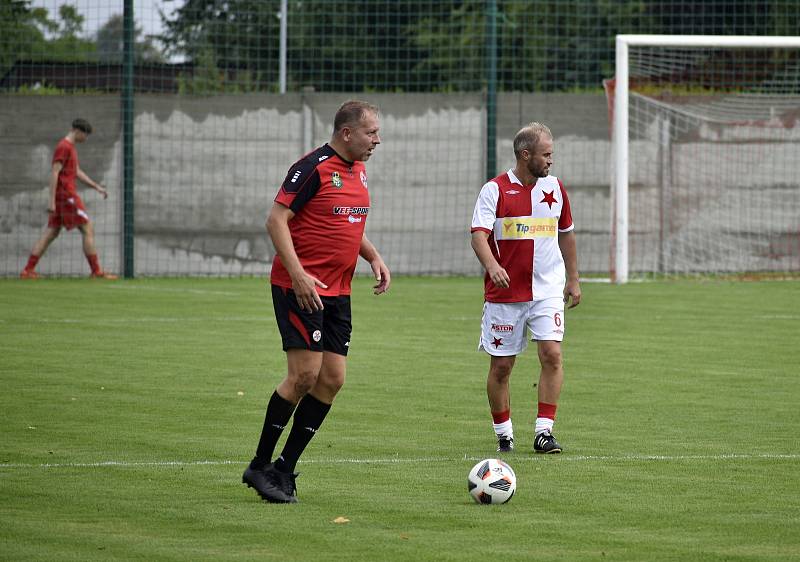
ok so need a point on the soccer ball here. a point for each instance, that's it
(491, 481)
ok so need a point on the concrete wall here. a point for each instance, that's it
(30, 128)
(207, 170)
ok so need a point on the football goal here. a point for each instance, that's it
(706, 175)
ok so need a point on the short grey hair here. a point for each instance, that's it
(528, 137)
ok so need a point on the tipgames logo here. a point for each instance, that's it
(525, 228)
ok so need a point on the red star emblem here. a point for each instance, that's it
(497, 342)
(549, 199)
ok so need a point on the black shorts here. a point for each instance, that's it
(322, 330)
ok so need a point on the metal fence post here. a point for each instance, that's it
(127, 140)
(491, 89)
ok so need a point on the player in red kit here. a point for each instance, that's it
(317, 226)
(65, 208)
(523, 235)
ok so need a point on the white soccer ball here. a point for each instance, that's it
(491, 481)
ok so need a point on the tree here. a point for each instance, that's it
(420, 45)
(451, 44)
(362, 47)
(20, 31)
(238, 37)
(110, 40)
(67, 44)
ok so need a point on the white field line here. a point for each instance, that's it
(777, 317)
(418, 460)
(127, 287)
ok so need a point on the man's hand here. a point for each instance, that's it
(102, 191)
(499, 276)
(305, 291)
(573, 290)
(382, 276)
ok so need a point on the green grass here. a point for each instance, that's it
(679, 418)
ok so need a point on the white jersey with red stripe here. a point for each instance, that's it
(523, 223)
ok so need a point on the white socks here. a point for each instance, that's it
(543, 424)
(504, 429)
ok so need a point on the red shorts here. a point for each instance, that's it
(70, 213)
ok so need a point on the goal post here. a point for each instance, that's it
(705, 104)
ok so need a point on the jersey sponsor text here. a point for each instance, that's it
(351, 210)
(525, 228)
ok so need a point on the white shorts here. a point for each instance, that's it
(503, 325)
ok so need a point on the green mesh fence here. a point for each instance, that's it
(220, 111)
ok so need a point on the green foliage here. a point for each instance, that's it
(417, 45)
(71, 24)
(236, 36)
(19, 32)
(40, 90)
(375, 46)
(206, 78)
(111, 42)
(680, 441)
(451, 47)
(29, 34)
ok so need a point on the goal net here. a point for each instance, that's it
(707, 166)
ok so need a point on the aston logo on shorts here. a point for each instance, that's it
(351, 210)
(502, 328)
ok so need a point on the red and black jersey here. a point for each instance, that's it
(330, 200)
(68, 156)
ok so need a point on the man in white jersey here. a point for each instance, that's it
(523, 235)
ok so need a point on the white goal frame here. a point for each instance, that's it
(620, 175)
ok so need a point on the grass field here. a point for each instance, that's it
(129, 409)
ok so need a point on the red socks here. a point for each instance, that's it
(547, 411)
(32, 261)
(545, 418)
(500, 417)
(94, 264)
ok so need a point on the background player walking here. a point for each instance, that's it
(317, 226)
(523, 235)
(65, 208)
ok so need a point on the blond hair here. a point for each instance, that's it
(528, 137)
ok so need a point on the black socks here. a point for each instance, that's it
(308, 418)
(278, 413)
